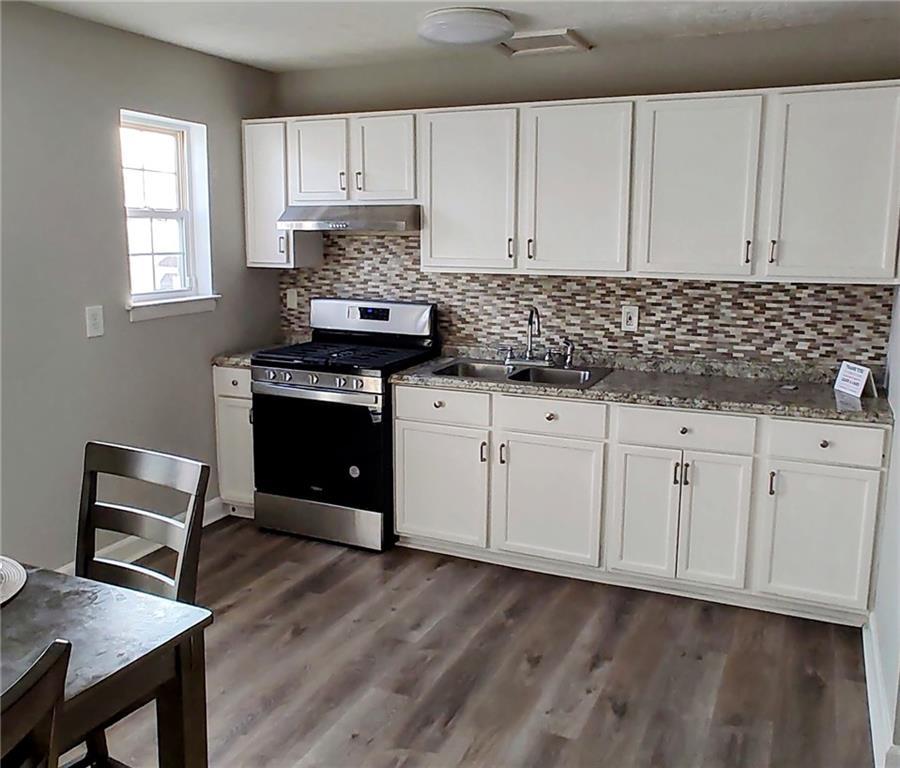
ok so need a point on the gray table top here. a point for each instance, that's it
(110, 628)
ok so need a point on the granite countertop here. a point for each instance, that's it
(234, 359)
(676, 390)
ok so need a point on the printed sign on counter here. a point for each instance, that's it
(855, 380)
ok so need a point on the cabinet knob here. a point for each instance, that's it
(550, 416)
(438, 403)
(234, 382)
(684, 430)
(824, 444)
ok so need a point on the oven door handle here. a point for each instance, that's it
(322, 395)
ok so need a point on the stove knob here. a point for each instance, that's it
(271, 375)
(313, 379)
(286, 376)
(357, 384)
(341, 381)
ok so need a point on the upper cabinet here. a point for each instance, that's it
(469, 189)
(359, 158)
(576, 166)
(265, 195)
(697, 168)
(834, 189)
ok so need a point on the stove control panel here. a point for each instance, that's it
(321, 380)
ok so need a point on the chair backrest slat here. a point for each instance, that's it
(30, 709)
(184, 475)
(141, 523)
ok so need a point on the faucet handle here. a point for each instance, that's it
(570, 351)
(507, 352)
(549, 355)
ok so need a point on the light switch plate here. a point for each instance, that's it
(630, 317)
(93, 320)
(290, 298)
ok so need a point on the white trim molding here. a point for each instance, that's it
(886, 752)
(132, 548)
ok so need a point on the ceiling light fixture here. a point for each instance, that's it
(466, 26)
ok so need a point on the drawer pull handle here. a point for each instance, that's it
(676, 479)
(684, 430)
(234, 382)
(772, 244)
(503, 453)
(824, 444)
(482, 451)
(438, 403)
(509, 248)
(550, 416)
(747, 251)
(684, 473)
(771, 483)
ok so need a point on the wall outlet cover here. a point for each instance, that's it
(290, 298)
(93, 321)
(630, 317)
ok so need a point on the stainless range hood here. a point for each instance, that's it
(398, 219)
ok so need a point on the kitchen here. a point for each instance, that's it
(564, 344)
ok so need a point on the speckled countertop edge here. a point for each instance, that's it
(697, 392)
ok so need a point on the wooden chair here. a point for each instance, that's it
(29, 710)
(184, 475)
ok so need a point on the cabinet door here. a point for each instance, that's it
(818, 529)
(469, 193)
(317, 160)
(384, 166)
(265, 195)
(577, 173)
(697, 167)
(546, 499)
(442, 482)
(234, 446)
(643, 531)
(715, 511)
(836, 172)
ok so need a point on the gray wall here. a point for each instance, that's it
(63, 247)
(802, 55)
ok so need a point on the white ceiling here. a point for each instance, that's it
(284, 36)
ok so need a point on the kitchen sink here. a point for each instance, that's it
(468, 369)
(580, 378)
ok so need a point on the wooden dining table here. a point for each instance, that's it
(128, 649)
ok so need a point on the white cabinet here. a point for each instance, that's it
(835, 178)
(546, 497)
(469, 189)
(383, 153)
(818, 530)
(442, 482)
(575, 201)
(265, 195)
(714, 517)
(234, 435)
(317, 160)
(696, 175)
(643, 529)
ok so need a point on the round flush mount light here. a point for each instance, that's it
(466, 26)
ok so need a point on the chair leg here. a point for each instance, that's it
(97, 751)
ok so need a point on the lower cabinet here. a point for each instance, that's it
(546, 497)
(818, 531)
(442, 482)
(234, 441)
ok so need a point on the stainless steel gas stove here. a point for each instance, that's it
(322, 431)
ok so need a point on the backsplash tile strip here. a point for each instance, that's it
(805, 328)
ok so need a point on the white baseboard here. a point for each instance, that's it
(887, 754)
(132, 548)
(237, 510)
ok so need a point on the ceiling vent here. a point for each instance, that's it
(546, 41)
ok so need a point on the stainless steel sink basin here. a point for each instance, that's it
(580, 378)
(470, 369)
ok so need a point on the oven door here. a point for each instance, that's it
(319, 446)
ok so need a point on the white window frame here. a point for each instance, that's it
(194, 211)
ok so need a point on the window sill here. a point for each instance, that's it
(151, 310)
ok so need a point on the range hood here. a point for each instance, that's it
(351, 218)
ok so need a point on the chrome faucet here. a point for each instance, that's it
(570, 352)
(534, 329)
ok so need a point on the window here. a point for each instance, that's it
(165, 181)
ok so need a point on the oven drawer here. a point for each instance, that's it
(827, 443)
(231, 382)
(443, 406)
(566, 418)
(687, 429)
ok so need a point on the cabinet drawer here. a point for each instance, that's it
(687, 429)
(550, 417)
(827, 443)
(443, 406)
(231, 382)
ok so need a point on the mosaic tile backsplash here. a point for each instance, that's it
(806, 329)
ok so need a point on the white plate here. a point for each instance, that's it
(12, 578)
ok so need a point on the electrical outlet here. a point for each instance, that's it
(93, 320)
(629, 317)
(290, 298)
